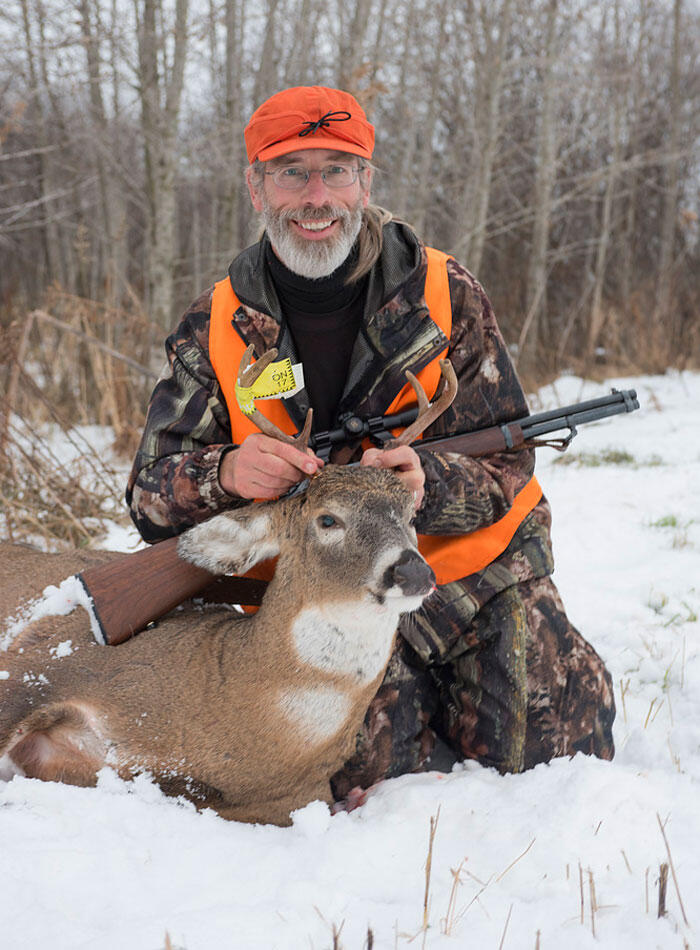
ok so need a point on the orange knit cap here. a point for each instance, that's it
(308, 117)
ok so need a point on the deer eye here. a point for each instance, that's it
(328, 521)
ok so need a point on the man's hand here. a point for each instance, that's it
(262, 467)
(405, 462)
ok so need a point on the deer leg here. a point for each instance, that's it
(60, 743)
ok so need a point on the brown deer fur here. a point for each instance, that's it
(246, 715)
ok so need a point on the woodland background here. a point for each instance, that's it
(552, 146)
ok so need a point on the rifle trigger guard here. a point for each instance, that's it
(561, 445)
(573, 432)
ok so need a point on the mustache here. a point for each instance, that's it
(314, 214)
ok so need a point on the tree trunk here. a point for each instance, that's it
(110, 237)
(665, 318)
(632, 177)
(423, 190)
(597, 316)
(494, 72)
(351, 46)
(46, 183)
(404, 124)
(161, 93)
(228, 242)
(266, 75)
(530, 353)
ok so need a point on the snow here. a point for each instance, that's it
(52, 602)
(515, 859)
(64, 648)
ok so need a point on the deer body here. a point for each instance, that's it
(247, 715)
(250, 716)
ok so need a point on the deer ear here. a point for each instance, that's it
(231, 542)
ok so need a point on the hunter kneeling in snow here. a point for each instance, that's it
(489, 668)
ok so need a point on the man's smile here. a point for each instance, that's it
(316, 229)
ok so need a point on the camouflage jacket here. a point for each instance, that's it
(174, 481)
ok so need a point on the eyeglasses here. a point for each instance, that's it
(296, 177)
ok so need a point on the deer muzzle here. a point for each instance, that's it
(411, 574)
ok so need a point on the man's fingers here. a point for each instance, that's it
(277, 467)
(263, 467)
(403, 458)
(309, 464)
(405, 462)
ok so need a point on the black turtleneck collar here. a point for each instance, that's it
(314, 296)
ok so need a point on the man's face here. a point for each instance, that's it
(312, 230)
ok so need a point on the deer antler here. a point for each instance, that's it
(247, 375)
(428, 411)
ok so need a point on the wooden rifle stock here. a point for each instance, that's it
(130, 592)
(478, 443)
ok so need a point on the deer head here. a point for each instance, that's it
(351, 530)
(349, 536)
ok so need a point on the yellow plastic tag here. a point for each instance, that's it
(277, 380)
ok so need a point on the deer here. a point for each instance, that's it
(249, 715)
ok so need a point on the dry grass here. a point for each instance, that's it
(64, 370)
(52, 502)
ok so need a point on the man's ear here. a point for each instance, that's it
(255, 185)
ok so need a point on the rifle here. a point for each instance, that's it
(522, 433)
(122, 607)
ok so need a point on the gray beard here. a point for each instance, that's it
(312, 259)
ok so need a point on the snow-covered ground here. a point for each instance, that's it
(518, 861)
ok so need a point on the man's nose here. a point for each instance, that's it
(316, 189)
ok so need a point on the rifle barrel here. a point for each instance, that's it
(572, 420)
(624, 400)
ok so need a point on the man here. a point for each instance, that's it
(490, 667)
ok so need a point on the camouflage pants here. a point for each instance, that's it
(519, 687)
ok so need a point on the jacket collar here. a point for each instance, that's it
(397, 332)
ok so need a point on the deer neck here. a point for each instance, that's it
(336, 652)
(350, 639)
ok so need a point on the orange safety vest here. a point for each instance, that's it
(451, 557)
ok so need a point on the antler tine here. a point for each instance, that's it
(428, 412)
(247, 375)
(301, 440)
(423, 401)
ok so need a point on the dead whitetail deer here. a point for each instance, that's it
(248, 715)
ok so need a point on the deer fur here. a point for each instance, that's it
(247, 715)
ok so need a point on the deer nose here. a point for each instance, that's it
(411, 573)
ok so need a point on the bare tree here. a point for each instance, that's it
(551, 146)
(110, 248)
(529, 344)
(489, 36)
(426, 146)
(664, 309)
(597, 315)
(233, 126)
(49, 187)
(160, 77)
